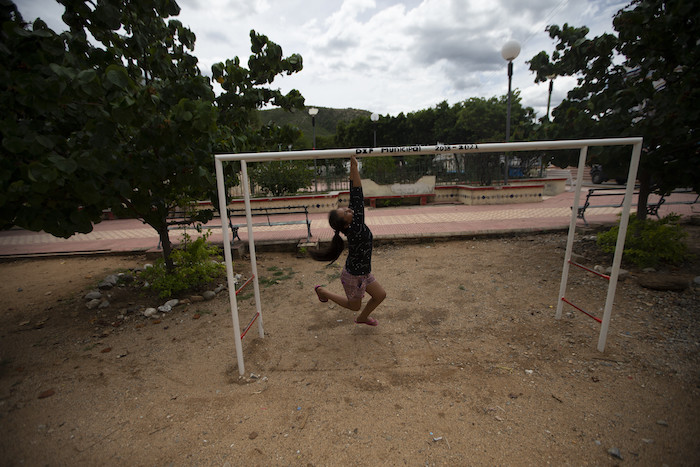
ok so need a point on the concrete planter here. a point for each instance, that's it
(478, 195)
(314, 203)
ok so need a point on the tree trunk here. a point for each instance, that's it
(167, 246)
(644, 192)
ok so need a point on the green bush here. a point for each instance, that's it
(195, 266)
(648, 242)
(380, 169)
(281, 177)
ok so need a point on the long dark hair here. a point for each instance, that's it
(332, 251)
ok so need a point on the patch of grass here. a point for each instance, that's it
(267, 282)
(389, 203)
(278, 276)
(333, 276)
(332, 266)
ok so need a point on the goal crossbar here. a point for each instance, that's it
(467, 148)
(419, 149)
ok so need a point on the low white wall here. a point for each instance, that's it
(424, 185)
(552, 186)
(470, 195)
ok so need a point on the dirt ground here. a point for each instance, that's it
(468, 366)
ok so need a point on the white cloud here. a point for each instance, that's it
(387, 56)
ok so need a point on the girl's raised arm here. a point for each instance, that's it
(354, 172)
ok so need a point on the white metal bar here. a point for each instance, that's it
(418, 149)
(251, 245)
(620, 245)
(223, 214)
(572, 230)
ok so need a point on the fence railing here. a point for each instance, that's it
(470, 169)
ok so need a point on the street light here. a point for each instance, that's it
(551, 86)
(509, 52)
(313, 111)
(374, 117)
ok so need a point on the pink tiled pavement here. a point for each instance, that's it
(128, 235)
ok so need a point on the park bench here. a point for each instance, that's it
(179, 222)
(652, 208)
(265, 213)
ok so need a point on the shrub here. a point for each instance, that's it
(380, 169)
(195, 266)
(648, 242)
(281, 177)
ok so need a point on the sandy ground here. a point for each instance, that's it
(468, 366)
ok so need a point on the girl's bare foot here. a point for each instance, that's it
(369, 322)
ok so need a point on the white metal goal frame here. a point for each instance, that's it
(467, 148)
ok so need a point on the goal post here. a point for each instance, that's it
(466, 148)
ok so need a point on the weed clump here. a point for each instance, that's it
(196, 264)
(649, 242)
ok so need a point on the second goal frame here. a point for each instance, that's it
(466, 148)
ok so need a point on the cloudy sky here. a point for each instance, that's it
(386, 56)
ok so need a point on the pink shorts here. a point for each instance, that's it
(355, 286)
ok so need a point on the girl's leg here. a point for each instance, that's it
(378, 295)
(341, 300)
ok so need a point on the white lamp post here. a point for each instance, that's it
(509, 52)
(551, 86)
(313, 111)
(374, 117)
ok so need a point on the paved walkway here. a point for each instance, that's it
(128, 235)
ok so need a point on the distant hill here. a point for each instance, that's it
(326, 120)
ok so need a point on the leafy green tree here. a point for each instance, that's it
(246, 91)
(379, 169)
(473, 120)
(53, 137)
(482, 120)
(357, 133)
(129, 124)
(281, 177)
(644, 81)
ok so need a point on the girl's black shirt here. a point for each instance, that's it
(359, 260)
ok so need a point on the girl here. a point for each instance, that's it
(356, 276)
